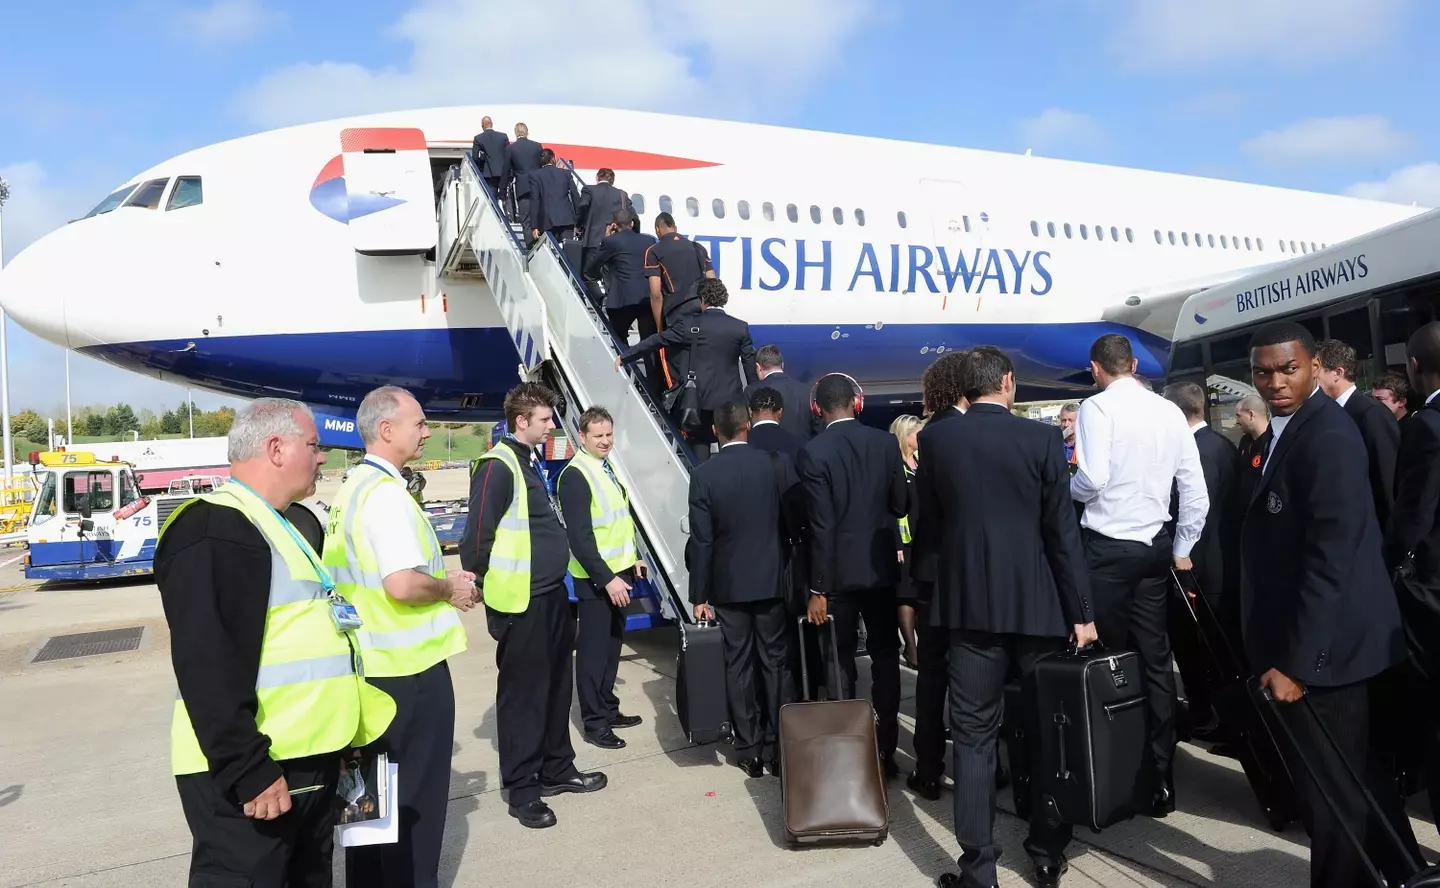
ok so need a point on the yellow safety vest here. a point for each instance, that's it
(905, 521)
(397, 638)
(507, 577)
(609, 514)
(310, 687)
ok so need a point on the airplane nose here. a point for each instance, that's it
(30, 290)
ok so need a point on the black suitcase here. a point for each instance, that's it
(1408, 868)
(1091, 705)
(1244, 728)
(700, 699)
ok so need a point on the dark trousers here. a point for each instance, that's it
(623, 318)
(532, 694)
(495, 182)
(700, 439)
(562, 234)
(420, 740)
(980, 662)
(522, 214)
(932, 680)
(882, 641)
(291, 851)
(753, 636)
(600, 629)
(1130, 586)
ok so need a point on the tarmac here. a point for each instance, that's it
(87, 798)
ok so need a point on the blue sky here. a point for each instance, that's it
(1327, 95)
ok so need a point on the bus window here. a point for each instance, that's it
(98, 487)
(1314, 324)
(1187, 357)
(129, 493)
(45, 503)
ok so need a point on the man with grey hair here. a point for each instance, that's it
(263, 651)
(1069, 417)
(382, 549)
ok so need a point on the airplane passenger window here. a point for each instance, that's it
(717, 206)
(743, 208)
(666, 205)
(1224, 242)
(839, 216)
(1211, 239)
(767, 210)
(638, 202)
(692, 206)
(1050, 228)
(1115, 233)
(1130, 235)
(792, 213)
(1100, 232)
(147, 196)
(1282, 246)
(1069, 232)
(188, 193)
(900, 217)
(1259, 244)
(860, 217)
(1084, 232)
(1312, 246)
(1197, 240)
(111, 201)
(965, 220)
(1172, 238)
(815, 214)
(1159, 239)
(1185, 238)
(1247, 243)
(1293, 249)
(1034, 228)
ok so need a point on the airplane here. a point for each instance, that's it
(242, 267)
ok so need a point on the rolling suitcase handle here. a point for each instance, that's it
(1375, 812)
(834, 658)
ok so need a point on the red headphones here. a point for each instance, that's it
(859, 402)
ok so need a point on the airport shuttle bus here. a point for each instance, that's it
(1371, 292)
(90, 521)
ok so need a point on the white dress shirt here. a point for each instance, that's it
(1277, 427)
(387, 520)
(1345, 396)
(1130, 445)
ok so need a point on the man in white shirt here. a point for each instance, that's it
(1132, 445)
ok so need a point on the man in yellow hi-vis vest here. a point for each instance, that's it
(264, 654)
(515, 544)
(604, 564)
(382, 551)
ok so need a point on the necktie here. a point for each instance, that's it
(611, 472)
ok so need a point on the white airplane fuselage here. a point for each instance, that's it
(258, 289)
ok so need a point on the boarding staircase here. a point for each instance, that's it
(562, 341)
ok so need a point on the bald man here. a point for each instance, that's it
(492, 156)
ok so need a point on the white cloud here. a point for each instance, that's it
(1322, 139)
(1059, 128)
(1418, 184)
(701, 56)
(1179, 33)
(226, 21)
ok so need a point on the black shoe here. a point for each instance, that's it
(1049, 876)
(751, 766)
(604, 738)
(957, 880)
(534, 815)
(591, 782)
(888, 767)
(1163, 803)
(625, 721)
(927, 789)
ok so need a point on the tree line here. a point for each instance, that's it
(120, 420)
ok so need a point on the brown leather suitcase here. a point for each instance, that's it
(831, 788)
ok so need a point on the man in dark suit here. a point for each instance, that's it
(619, 261)
(1318, 612)
(555, 202)
(713, 346)
(735, 576)
(524, 158)
(798, 419)
(598, 205)
(1379, 428)
(1013, 585)
(492, 156)
(854, 486)
(768, 410)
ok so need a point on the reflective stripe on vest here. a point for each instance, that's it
(397, 638)
(311, 701)
(507, 577)
(609, 516)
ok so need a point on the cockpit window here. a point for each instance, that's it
(110, 202)
(147, 195)
(188, 193)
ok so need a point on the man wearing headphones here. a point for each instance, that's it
(854, 486)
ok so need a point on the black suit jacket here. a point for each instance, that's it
(620, 262)
(776, 439)
(925, 543)
(492, 155)
(524, 160)
(854, 485)
(996, 489)
(797, 419)
(1220, 462)
(598, 205)
(555, 201)
(1316, 601)
(1380, 431)
(719, 341)
(735, 527)
(1413, 541)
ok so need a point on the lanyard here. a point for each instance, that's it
(539, 466)
(374, 465)
(326, 582)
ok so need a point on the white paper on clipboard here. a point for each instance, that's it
(381, 831)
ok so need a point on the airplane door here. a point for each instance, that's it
(390, 196)
(956, 215)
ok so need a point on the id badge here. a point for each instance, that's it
(344, 614)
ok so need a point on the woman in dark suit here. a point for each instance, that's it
(905, 429)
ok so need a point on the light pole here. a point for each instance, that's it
(4, 353)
